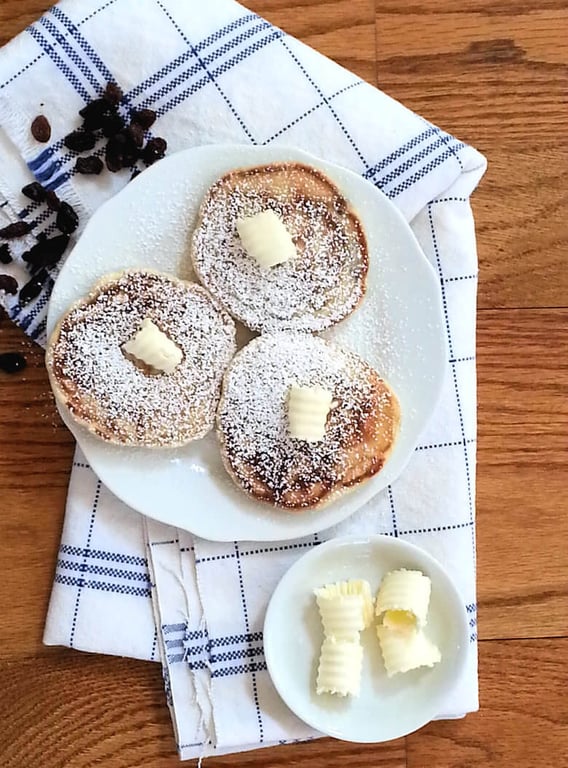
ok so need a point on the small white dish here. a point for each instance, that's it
(398, 329)
(387, 708)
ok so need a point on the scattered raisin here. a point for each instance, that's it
(144, 118)
(80, 141)
(136, 133)
(12, 362)
(89, 165)
(113, 162)
(119, 150)
(129, 149)
(94, 113)
(97, 105)
(53, 202)
(112, 124)
(32, 288)
(5, 255)
(8, 284)
(67, 220)
(113, 93)
(18, 229)
(46, 253)
(130, 158)
(154, 150)
(113, 156)
(34, 191)
(41, 129)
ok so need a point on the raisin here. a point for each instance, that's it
(5, 255)
(89, 165)
(130, 156)
(32, 288)
(41, 129)
(46, 253)
(136, 172)
(8, 284)
(94, 107)
(136, 133)
(113, 162)
(80, 141)
(128, 149)
(154, 150)
(112, 124)
(113, 153)
(94, 113)
(12, 362)
(18, 229)
(67, 220)
(53, 202)
(113, 93)
(34, 191)
(144, 118)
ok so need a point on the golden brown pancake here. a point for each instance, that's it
(252, 421)
(315, 290)
(124, 401)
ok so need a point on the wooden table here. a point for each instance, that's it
(495, 73)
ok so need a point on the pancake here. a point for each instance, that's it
(122, 400)
(322, 285)
(253, 429)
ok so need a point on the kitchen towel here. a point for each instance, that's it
(212, 641)
(217, 73)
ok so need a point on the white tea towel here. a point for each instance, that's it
(218, 73)
(102, 586)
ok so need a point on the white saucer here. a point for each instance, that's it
(387, 708)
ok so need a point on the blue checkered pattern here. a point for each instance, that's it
(223, 656)
(148, 592)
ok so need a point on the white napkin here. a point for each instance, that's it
(217, 73)
(101, 598)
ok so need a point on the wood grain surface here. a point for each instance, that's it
(495, 73)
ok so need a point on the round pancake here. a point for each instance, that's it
(121, 400)
(311, 292)
(252, 421)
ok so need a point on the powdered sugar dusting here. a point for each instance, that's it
(114, 396)
(253, 421)
(311, 292)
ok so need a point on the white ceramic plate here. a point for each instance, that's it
(398, 329)
(386, 708)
